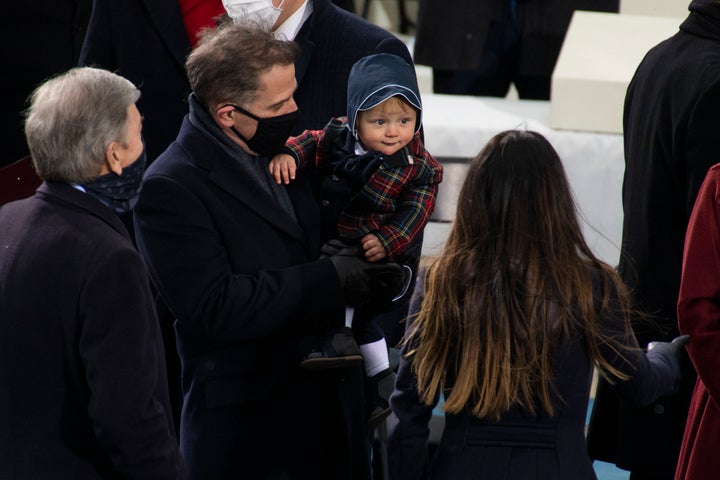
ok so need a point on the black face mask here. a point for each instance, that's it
(119, 192)
(271, 133)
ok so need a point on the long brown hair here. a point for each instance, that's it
(513, 279)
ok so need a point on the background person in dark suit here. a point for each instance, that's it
(481, 47)
(83, 389)
(331, 40)
(671, 121)
(147, 41)
(235, 256)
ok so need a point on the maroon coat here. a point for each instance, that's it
(699, 316)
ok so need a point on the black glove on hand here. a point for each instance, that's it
(365, 283)
(673, 347)
(337, 247)
(668, 353)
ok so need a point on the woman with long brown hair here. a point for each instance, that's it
(517, 312)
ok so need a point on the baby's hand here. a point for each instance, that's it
(374, 250)
(283, 168)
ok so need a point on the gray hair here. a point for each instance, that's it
(72, 119)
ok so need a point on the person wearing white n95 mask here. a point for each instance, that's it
(263, 12)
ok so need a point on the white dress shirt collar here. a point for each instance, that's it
(289, 29)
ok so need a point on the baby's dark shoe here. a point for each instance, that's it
(338, 350)
(378, 389)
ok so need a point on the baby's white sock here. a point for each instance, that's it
(375, 357)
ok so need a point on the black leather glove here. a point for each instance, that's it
(334, 247)
(365, 283)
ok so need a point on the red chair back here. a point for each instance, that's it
(18, 180)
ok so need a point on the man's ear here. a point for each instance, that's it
(112, 158)
(224, 115)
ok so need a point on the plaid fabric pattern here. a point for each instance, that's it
(397, 201)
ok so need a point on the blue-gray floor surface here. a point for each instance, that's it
(608, 471)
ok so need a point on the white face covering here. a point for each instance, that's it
(253, 11)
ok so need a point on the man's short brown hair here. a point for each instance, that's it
(227, 64)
